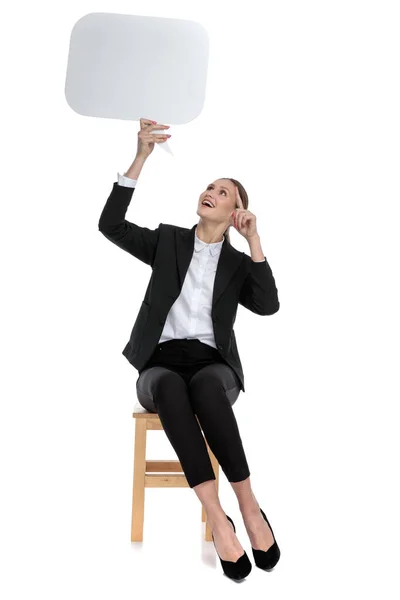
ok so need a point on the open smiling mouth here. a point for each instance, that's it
(207, 203)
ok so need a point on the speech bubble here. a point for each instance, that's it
(128, 67)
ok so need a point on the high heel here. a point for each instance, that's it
(235, 570)
(267, 559)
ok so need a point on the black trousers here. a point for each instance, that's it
(185, 378)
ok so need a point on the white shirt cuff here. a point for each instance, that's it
(126, 181)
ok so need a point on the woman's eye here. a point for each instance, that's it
(222, 190)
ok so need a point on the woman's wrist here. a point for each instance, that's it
(134, 170)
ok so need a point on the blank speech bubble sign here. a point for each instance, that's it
(129, 67)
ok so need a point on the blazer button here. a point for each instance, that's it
(161, 322)
(215, 319)
(219, 346)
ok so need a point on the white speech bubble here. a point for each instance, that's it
(131, 67)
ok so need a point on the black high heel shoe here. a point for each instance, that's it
(267, 559)
(235, 570)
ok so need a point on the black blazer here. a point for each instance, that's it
(168, 249)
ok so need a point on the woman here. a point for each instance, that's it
(183, 372)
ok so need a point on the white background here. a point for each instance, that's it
(303, 108)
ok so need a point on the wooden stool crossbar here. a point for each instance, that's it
(157, 473)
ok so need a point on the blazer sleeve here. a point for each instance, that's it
(141, 242)
(259, 293)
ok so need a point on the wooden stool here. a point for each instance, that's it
(145, 471)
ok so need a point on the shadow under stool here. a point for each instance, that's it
(157, 473)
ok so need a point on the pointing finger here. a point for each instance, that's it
(238, 199)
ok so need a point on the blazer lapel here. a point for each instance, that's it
(229, 260)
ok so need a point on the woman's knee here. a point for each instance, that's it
(159, 384)
(218, 378)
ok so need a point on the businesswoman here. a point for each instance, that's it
(183, 373)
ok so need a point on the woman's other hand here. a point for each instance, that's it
(243, 220)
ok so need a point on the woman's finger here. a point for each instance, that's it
(151, 137)
(158, 126)
(243, 219)
(238, 198)
(144, 122)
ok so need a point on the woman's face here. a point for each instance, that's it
(222, 195)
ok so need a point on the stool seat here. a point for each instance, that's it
(157, 473)
(139, 410)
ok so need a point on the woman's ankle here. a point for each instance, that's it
(249, 508)
(218, 520)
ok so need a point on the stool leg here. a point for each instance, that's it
(215, 466)
(139, 471)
